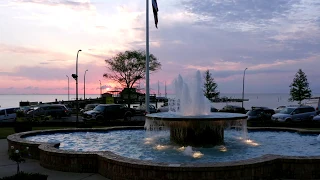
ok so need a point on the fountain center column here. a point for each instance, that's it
(197, 133)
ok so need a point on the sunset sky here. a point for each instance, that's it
(39, 40)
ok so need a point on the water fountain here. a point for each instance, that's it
(189, 118)
(195, 144)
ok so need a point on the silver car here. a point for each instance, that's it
(295, 113)
(163, 108)
(317, 118)
(8, 114)
(278, 109)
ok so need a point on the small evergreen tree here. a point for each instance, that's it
(299, 89)
(210, 86)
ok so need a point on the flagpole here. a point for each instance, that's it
(147, 57)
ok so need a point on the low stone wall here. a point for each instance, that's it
(69, 161)
(117, 167)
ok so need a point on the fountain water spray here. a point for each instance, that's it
(190, 120)
(189, 98)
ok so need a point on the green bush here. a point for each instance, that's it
(26, 176)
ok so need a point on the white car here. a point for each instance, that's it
(163, 109)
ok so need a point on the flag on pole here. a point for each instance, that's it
(155, 12)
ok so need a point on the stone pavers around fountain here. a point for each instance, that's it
(9, 168)
(115, 167)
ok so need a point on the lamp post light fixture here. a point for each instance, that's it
(84, 85)
(68, 88)
(75, 76)
(100, 88)
(244, 74)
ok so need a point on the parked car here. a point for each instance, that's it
(295, 113)
(26, 109)
(142, 109)
(316, 118)
(278, 109)
(8, 114)
(163, 108)
(233, 109)
(71, 108)
(105, 112)
(54, 110)
(88, 107)
(213, 109)
(260, 114)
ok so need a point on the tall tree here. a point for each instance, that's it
(210, 86)
(128, 67)
(299, 88)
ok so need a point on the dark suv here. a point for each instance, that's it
(261, 114)
(54, 110)
(104, 112)
(233, 109)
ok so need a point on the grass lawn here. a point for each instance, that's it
(6, 131)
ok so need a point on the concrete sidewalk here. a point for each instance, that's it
(8, 168)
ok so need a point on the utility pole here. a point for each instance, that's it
(244, 73)
(68, 89)
(75, 76)
(84, 85)
(100, 89)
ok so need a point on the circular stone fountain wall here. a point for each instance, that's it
(114, 166)
(202, 130)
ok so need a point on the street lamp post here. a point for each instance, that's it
(100, 88)
(244, 73)
(84, 85)
(68, 88)
(75, 76)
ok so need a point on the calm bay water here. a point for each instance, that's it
(12, 100)
(271, 100)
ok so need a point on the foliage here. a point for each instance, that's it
(17, 156)
(20, 113)
(22, 117)
(210, 86)
(26, 176)
(299, 88)
(128, 67)
(23, 122)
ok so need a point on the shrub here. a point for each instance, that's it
(16, 155)
(26, 176)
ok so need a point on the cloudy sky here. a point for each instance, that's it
(39, 40)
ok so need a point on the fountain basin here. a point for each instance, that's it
(114, 166)
(200, 131)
